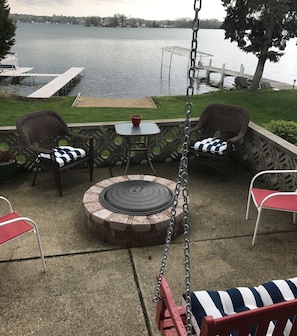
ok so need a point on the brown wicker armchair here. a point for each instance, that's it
(216, 133)
(53, 145)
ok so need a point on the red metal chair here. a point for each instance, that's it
(271, 199)
(13, 226)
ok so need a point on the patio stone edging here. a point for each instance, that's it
(126, 229)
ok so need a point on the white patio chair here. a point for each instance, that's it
(13, 226)
(271, 199)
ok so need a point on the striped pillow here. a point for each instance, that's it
(64, 155)
(279, 291)
(235, 300)
(222, 303)
(211, 145)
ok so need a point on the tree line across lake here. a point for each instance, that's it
(118, 20)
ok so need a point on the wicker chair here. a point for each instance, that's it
(216, 133)
(53, 145)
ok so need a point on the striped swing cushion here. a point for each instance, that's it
(221, 303)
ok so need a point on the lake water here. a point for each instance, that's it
(126, 62)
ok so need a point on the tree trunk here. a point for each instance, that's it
(258, 74)
(262, 58)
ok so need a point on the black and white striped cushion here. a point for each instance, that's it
(211, 145)
(234, 300)
(222, 303)
(64, 155)
(279, 291)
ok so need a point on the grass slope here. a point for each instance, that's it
(263, 106)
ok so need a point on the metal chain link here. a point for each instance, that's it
(182, 179)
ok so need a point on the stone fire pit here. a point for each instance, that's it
(132, 210)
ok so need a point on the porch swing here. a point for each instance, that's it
(268, 309)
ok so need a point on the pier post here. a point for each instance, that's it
(241, 70)
(221, 84)
(207, 75)
(169, 73)
(161, 74)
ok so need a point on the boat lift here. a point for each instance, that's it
(180, 51)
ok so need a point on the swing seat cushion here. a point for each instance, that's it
(211, 146)
(64, 155)
(234, 300)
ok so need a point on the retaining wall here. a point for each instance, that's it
(259, 150)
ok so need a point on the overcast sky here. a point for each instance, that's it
(145, 9)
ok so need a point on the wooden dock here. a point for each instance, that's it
(18, 72)
(223, 72)
(58, 85)
(227, 72)
(61, 84)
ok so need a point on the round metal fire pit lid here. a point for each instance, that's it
(136, 197)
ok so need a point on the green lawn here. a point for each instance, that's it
(263, 106)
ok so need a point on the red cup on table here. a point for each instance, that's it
(136, 118)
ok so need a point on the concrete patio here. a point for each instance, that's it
(93, 288)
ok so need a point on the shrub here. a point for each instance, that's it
(284, 129)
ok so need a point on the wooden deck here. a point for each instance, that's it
(57, 84)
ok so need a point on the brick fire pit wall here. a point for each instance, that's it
(129, 230)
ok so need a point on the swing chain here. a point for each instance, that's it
(182, 180)
(189, 106)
